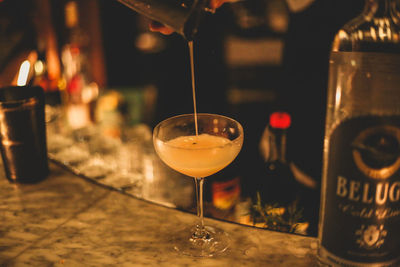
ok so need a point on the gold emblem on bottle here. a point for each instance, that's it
(376, 151)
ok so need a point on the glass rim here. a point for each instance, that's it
(20, 96)
(15, 104)
(205, 115)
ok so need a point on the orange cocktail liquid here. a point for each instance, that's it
(198, 156)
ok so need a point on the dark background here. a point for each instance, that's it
(296, 85)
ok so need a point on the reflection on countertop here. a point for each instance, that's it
(66, 220)
(129, 164)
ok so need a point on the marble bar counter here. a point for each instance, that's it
(67, 220)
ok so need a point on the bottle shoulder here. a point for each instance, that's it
(369, 34)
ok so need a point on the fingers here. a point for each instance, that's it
(158, 27)
(214, 4)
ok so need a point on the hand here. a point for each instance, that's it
(158, 27)
(214, 4)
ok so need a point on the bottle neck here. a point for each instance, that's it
(277, 143)
(380, 8)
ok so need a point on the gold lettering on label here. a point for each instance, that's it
(354, 187)
(394, 193)
(380, 198)
(365, 198)
(368, 193)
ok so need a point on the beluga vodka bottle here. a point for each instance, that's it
(360, 206)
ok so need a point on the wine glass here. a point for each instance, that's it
(199, 145)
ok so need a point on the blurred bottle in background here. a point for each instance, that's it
(29, 44)
(252, 49)
(283, 184)
(134, 67)
(288, 181)
(278, 184)
(47, 67)
(80, 89)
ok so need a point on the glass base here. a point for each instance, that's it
(213, 242)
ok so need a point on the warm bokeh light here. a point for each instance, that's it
(23, 73)
(90, 92)
(39, 67)
(78, 116)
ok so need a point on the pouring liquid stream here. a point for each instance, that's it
(190, 43)
(198, 181)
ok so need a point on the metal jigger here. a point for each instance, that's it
(182, 16)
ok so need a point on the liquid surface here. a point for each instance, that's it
(198, 156)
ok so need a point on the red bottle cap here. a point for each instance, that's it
(280, 120)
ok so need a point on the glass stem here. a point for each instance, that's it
(200, 231)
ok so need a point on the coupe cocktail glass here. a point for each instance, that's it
(199, 146)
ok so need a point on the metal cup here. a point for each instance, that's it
(23, 134)
(183, 16)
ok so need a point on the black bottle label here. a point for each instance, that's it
(361, 213)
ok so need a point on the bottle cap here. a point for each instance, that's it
(280, 120)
